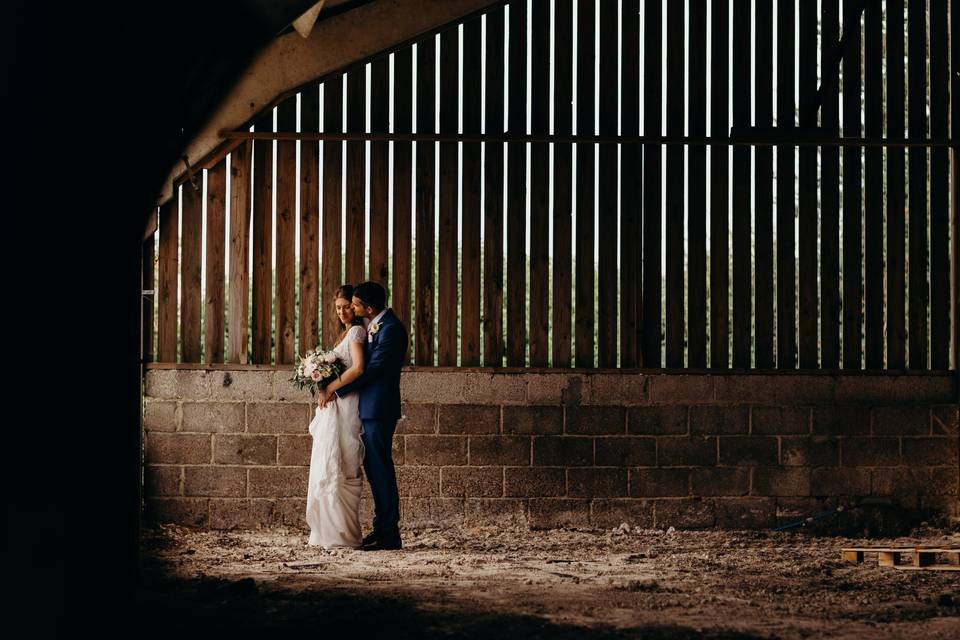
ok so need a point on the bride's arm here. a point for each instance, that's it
(355, 370)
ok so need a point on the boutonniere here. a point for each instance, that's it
(374, 327)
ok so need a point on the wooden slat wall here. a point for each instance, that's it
(896, 211)
(215, 263)
(631, 188)
(332, 169)
(449, 183)
(607, 310)
(517, 187)
(147, 281)
(493, 348)
(190, 264)
(465, 260)
(309, 329)
(540, 197)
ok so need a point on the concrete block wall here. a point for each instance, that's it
(230, 448)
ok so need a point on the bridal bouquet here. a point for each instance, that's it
(316, 369)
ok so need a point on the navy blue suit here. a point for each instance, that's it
(379, 406)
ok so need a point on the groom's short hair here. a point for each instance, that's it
(371, 294)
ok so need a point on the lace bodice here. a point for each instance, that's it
(356, 334)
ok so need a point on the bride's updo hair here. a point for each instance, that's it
(346, 292)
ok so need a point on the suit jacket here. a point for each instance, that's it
(379, 384)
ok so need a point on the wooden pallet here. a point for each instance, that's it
(921, 558)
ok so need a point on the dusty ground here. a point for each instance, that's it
(541, 584)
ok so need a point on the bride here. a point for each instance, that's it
(334, 485)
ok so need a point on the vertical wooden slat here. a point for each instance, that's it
(917, 124)
(584, 300)
(896, 212)
(190, 247)
(807, 184)
(562, 182)
(380, 173)
(286, 233)
(631, 187)
(330, 267)
(426, 95)
(238, 328)
(607, 309)
(852, 203)
(356, 175)
(873, 184)
(786, 192)
(309, 221)
(517, 187)
(763, 187)
(675, 188)
(147, 276)
(493, 193)
(696, 189)
(539, 176)
(742, 280)
(652, 190)
(215, 259)
(402, 185)
(470, 230)
(719, 191)
(167, 264)
(939, 185)
(830, 194)
(449, 193)
(262, 241)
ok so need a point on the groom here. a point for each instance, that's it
(379, 387)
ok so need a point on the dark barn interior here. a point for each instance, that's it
(740, 375)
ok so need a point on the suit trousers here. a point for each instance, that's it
(378, 464)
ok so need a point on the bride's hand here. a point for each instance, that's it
(324, 398)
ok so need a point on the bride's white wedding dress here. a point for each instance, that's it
(334, 485)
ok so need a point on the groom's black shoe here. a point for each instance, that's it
(380, 544)
(370, 538)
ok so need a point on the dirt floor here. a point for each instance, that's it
(502, 582)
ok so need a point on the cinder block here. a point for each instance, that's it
(286, 391)
(495, 511)
(249, 385)
(418, 480)
(562, 451)
(160, 384)
(619, 388)
(809, 451)
(469, 418)
(827, 481)
(720, 481)
(745, 513)
(471, 482)
(293, 450)
(549, 513)
(596, 482)
(796, 388)
(552, 387)
(595, 420)
(435, 450)
(841, 421)
(870, 452)
(291, 512)
(930, 451)
(213, 417)
(901, 420)
(902, 481)
(277, 482)
(655, 483)
(278, 417)
(450, 386)
(678, 451)
(245, 449)
(674, 388)
(499, 450)
(420, 418)
(182, 448)
(779, 420)
(946, 420)
(777, 481)
(210, 481)
(899, 389)
(536, 419)
(658, 420)
(748, 450)
(683, 513)
(432, 512)
(626, 451)
(191, 512)
(719, 420)
(243, 513)
(526, 482)
(162, 480)
(495, 388)
(160, 415)
(609, 513)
